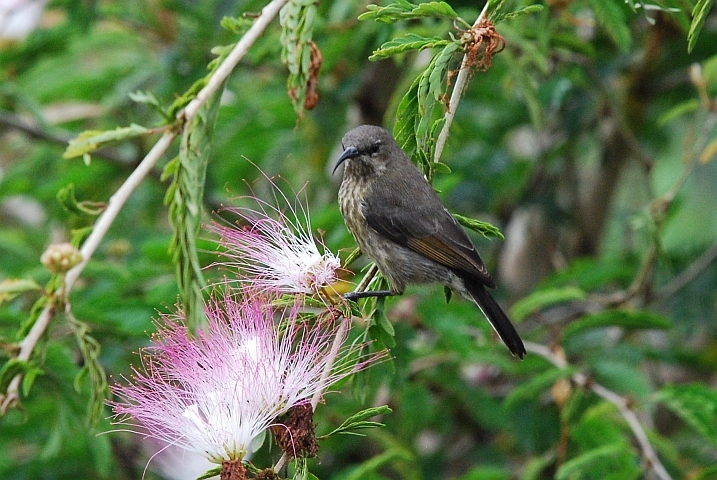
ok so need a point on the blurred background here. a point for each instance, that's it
(589, 143)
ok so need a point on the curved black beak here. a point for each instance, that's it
(350, 152)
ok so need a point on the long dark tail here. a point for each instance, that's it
(497, 318)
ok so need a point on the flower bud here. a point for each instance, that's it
(60, 257)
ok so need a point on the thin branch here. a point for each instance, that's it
(687, 275)
(117, 201)
(464, 75)
(267, 15)
(622, 404)
(333, 353)
(34, 129)
(27, 345)
(363, 286)
(345, 322)
(114, 206)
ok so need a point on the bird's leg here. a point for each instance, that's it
(354, 296)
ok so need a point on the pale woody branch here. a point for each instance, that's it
(117, 201)
(464, 75)
(622, 404)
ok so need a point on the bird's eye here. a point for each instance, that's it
(374, 147)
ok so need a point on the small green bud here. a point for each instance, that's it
(60, 257)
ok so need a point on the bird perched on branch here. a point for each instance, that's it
(400, 223)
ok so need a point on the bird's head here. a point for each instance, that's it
(368, 149)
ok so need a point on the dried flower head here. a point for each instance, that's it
(480, 43)
(295, 434)
(215, 393)
(271, 246)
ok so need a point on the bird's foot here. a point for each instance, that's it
(355, 296)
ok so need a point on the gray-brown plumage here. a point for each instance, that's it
(400, 223)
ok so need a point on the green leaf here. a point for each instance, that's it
(79, 235)
(29, 378)
(678, 110)
(92, 369)
(355, 253)
(619, 375)
(365, 469)
(11, 288)
(536, 466)
(537, 385)
(541, 299)
(497, 17)
(237, 25)
(630, 319)
(407, 116)
(709, 473)
(440, 167)
(301, 470)
(186, 207)
(297, 19)
(699, 15)
(485, 472)
(410, 41)
(484, 228)
(360, 420)
(37, 308)
(66, 197)
(403, 10)
(437, 75)
(169, 170)
(90, 140)
(696, 404)
(9, 369)
(611, 16)
(709, 75)
(448, 293)
(435, 9)
(148, 98)
(589, 461)
(214, 472)
(183, 100)
(381, 328)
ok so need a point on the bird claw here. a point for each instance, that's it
(352, 296)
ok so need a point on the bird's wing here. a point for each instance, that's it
(411, 220)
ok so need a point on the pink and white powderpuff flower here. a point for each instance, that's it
(216, 392)
(271, 246)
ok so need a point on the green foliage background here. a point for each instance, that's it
(589, 142)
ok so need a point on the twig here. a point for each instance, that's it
(104, 222)
(372, 271)
(333, 353)
(115, 204)
(27, 345)
(687, 275)
(190, 111)
(462, 78)
(620, 402)
(117, 201)
(267, 15)
(340, 333)
(33, 129)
